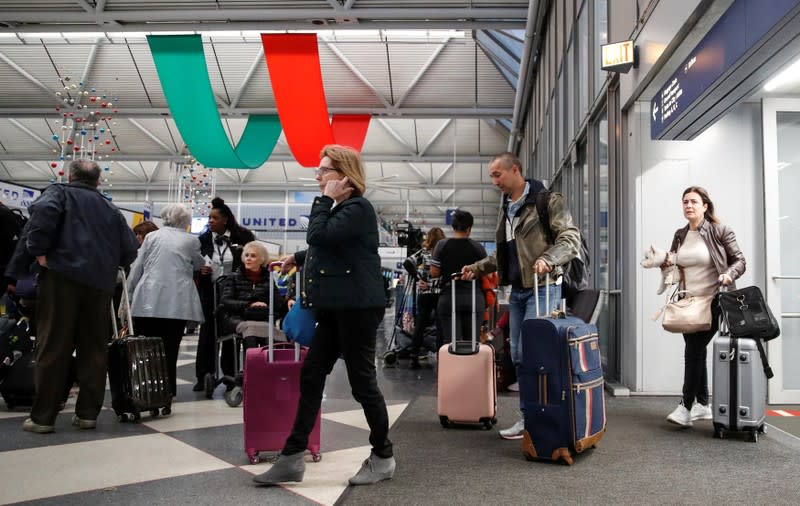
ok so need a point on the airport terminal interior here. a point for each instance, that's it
(618, 105)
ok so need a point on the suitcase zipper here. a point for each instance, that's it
(588, 385)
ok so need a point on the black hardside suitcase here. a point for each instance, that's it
(137, 371)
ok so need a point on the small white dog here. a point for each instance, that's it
(653, 258)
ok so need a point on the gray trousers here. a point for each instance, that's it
(72, 317)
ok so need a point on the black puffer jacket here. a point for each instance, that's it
(341, 267)
(238, 293)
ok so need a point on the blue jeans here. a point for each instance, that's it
(522, 306)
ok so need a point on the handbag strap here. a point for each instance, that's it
(764, 362)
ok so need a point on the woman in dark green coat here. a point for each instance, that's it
(342, 284)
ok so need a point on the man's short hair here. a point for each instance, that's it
(462, 221)
(85, 171)
(508, 160)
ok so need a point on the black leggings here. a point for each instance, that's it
(695, 372)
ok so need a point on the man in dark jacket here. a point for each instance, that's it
(80, 240)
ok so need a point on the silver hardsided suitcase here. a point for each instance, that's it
(740, 387)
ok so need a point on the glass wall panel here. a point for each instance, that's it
(600, 35)
(583, 64)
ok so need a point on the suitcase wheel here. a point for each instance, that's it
(254, 458)
(390, 359)
(208, 383)
(487, 423)
(763, 428)
(234, 397)
(719, 431)
(316, 457)
(752, 436)
(154, 412)
(444, 421)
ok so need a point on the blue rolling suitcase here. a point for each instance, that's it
(561, 379)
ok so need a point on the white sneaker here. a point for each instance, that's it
(680, 416)
(700, 412)
(514, 387)
(514, 432)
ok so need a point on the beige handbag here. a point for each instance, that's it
(685, 313)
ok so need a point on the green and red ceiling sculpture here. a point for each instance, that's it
(294, 70)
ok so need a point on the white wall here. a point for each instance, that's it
(727, 161)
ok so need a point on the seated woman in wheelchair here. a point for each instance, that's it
(244, 305)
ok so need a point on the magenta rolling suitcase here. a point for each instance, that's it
(466, 391)
(271, 394)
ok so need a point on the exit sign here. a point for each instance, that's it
(618, 57)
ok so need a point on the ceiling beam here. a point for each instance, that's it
(133, 172)
(40, 171)
(217, 14)
(89, 62)
(276, 157)
(163, 112)
(24, 73)
(396, 136)
(152, 136)
(447, 169)
(422, 72)
(435, 136)
(260, 26)
(358, 74)
(85, 6)
(257, 62)
(35, 136)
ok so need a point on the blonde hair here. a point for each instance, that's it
(347, 161)
(259, 248)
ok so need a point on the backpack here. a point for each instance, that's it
(576, 272)
(20, 218)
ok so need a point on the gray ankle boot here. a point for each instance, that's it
(373, 470)
(286, 468)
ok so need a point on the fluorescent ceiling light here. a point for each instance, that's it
(788, 75)
(84, 35)
(41, 35)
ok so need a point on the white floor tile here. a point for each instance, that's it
(197, 415)
(91, 465)
(325, 480)
(356, 418)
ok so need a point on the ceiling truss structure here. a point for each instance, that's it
(438, 79)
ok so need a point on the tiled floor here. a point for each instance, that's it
(194, 456)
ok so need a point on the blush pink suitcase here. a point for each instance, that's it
(466, 388)
(271, 394)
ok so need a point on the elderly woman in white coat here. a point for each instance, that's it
(163, 294)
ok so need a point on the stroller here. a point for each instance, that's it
(399, 346)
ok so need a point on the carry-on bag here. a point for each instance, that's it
(272, 393)
(18, 364)
(561, 381)
(740, 387)
(466, 391)
(137, 370)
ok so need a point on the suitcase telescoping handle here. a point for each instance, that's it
(546, 294)
(127, 303)
(273, 279)
(455, 277)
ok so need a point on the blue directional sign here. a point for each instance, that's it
(738, 30)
